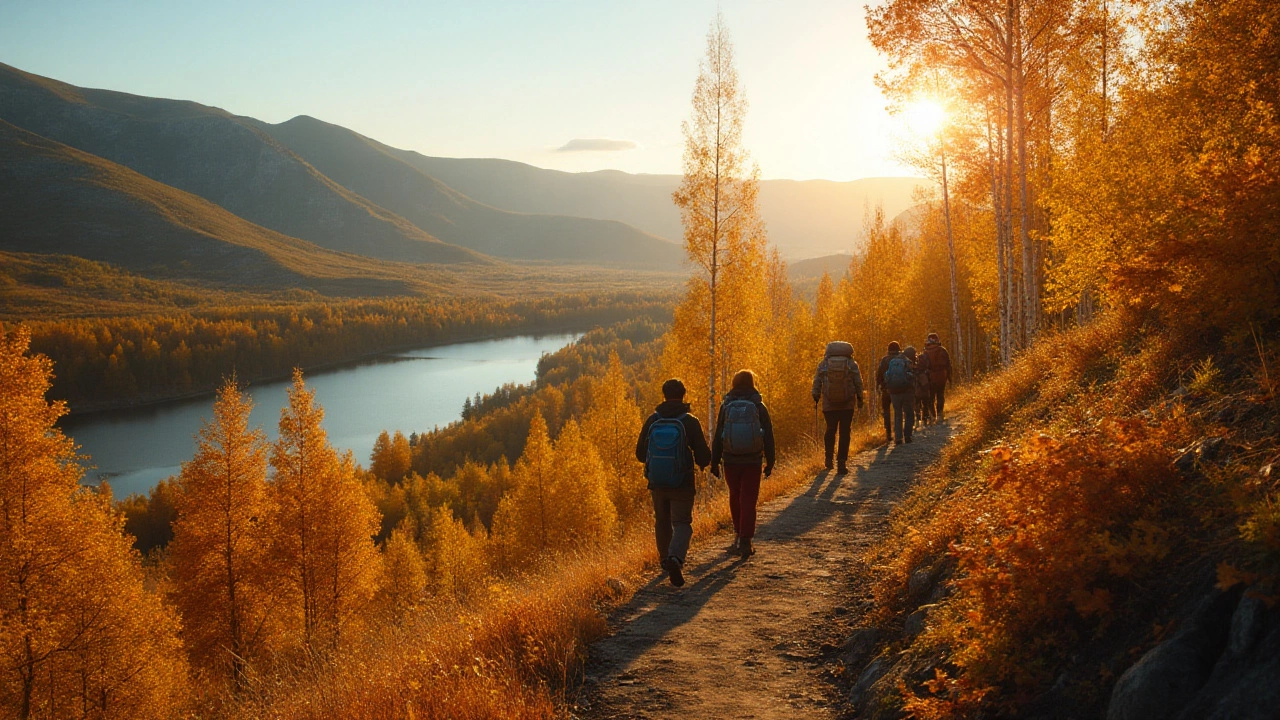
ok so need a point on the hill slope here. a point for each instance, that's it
(59, 200)
(369, 169)
(210, 153)
(805, 219)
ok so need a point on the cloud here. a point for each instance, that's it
(596, 145)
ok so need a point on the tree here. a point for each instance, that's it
(404, 577)
(611, 424)
(325, 523)
(391, 457)
(79, 634)
(222, 567)
(455, 557)
(717, 200)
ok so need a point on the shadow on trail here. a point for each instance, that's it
(828, 495)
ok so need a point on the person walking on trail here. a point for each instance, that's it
(897, 392)
(744, 439)
(838, 384)
(939, 373)
(921, 392)
(670, 444)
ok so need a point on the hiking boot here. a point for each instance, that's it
(908, 440)
(676, 570)
(745, 549)
(842, 470)
(734, 547)
(828, 463)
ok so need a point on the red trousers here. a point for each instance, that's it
(744, 491)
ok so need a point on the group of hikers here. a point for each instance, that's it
(912, 386)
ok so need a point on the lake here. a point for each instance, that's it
(410, 391)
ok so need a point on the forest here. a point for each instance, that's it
(1102, 256)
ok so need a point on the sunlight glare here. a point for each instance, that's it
(924, 117)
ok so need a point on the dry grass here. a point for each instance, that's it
(512, 652)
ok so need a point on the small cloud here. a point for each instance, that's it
(596, 145)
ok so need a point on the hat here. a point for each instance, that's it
(895, 347)
(933, 339)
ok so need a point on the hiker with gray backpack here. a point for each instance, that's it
(897, 384)
(838, 384)
(670, 444)
(744, 439)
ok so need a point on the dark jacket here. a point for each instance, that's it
(939, 364)
(717, 442)
(820, 384)
(696, 451)
(884, 367)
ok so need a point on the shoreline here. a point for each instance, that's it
(139, 404)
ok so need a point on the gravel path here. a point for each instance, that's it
(749, 639)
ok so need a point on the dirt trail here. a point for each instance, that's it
(746, 639)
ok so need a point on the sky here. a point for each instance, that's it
(573, 85)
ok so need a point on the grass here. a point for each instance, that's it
(515, 651)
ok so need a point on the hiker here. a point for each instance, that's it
(921, 391)
(939, 373)
(744, 439)
(670, 444)
(897, 391)
(838, 384)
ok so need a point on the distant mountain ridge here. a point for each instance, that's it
(805, 218)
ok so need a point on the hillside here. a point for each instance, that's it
(805, 219)
(210, 153)
(61, 201)
(366, 167)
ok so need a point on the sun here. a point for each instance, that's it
(924, 117)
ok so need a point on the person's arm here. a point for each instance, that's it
(766, 424)
(884, 365)
(642, 444)
(717, 445)
(697, 443)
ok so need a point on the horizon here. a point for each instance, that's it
(607, 89)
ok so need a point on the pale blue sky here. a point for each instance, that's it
(487, 78)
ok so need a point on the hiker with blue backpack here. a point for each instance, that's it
(744, 440)
(670, 445)
(838, 384)
(897, 386)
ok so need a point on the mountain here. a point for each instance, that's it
(61, 201)
(211, 153)
(805, 218)
(366, 167)
(834, 265)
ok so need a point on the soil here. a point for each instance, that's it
(757, 638)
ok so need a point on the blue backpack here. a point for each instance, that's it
(898, 375)
(742, 433)
(665, 466)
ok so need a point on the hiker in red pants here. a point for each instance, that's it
(744, 439)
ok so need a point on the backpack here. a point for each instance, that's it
(898, 375)
(838, 379)
(666, 466)
(742, 432)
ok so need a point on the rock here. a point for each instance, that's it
(1246, 625)
(857, 645)
(919, 583)
(1171, 674)
(1211, 448)
(1246, 680)
(616, 586)
(870, 675)
(916, 621)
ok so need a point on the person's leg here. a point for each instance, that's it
(845, 420)
(733, 478)
(829, 439)
(885, 402)
(897, 400)
(940, 397)
(748, 477)
(662, 522)
(909, 422)
(681, 522)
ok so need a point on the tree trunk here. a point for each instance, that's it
(951, 254)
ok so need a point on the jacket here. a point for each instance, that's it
(820, 385)
(717, 443)
(696, 450)
(939, 364)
